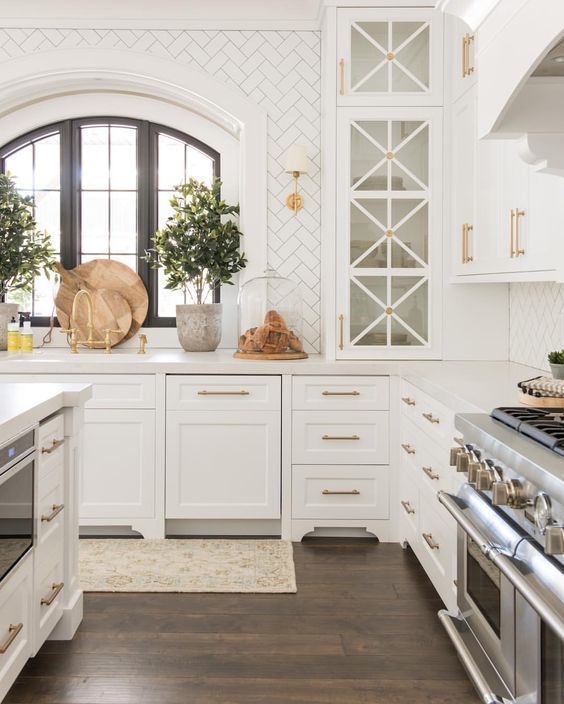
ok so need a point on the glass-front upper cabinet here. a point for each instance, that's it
(391, 55)
(388, 232)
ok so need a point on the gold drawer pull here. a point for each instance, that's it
(408, 508)
(224, 393)
(340, 437)
(342, 77)
(340, 393)
(55, 591)
(408, 401)
(352, 492)
(56, 444)
(459, 441)
(429, 472)
(430, 417)
(57, 508)
(430, 542)
(407, 447)
(519, 251)
(13, 634)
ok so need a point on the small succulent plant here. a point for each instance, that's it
(556, 357)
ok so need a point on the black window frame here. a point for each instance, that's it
(147, 189)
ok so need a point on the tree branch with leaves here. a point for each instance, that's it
(199, 245)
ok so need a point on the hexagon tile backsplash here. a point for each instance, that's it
(536, 322)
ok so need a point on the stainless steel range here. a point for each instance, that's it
(509, 632)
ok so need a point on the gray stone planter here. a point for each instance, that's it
(7, 312)
(557, 370)
(199, 326)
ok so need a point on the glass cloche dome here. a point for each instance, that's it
(270, 318)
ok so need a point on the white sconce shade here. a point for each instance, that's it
(297, 160)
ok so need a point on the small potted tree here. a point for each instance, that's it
(198, 249)
(25, 253)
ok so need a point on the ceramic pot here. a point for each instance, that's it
(199, 326)
(7, 312)
(557, 371)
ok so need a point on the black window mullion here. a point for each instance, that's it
(68, 250)
(144, 190)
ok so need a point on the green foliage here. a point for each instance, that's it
(25, 253)
(199, 245)
(556, 357)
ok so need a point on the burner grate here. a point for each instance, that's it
(545, 426)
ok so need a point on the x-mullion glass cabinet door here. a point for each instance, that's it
(388, 232)
(389, 56)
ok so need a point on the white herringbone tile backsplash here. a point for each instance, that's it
(536, 322)
(278, 70)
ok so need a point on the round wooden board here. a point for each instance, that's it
(104, 274)
(543, 402)
(273, 355)
(111, 312)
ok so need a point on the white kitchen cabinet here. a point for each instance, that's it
(462, 49)
(117, 476)
(223, 464)
(388, 232)
(389, 56)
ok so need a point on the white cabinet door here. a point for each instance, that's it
(461, 47)
(117, 478)
(389, 56)
(389, 232)
(223, 464)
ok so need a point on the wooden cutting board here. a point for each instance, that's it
(111, 277)
(542, 402)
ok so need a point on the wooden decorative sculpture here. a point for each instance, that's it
(271, 340)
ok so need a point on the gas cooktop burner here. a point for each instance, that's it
(545, 426)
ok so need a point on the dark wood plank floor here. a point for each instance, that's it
(362, 629)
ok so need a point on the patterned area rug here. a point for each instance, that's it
(192, 565)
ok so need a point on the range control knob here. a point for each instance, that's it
(485, 477)
(509, 493)
(462, 461)
(454, 452)
(473, 469)
(554, 540)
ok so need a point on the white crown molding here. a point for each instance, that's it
(473, 12)
(166, 14)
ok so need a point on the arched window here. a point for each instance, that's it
(101, 188)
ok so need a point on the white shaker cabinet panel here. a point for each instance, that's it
(389, 56)
(344, 393)
(223, 392)
(118, 468)
(223, 464)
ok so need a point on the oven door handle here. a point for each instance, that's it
(507, 566)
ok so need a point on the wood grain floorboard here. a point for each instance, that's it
(362, 629)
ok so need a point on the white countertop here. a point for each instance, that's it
(462, 385)
(23, 405)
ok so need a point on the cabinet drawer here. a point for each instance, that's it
(340, 437)
(15, 623)
(221, 393)
(409, 505)
(345, 492)
(428, 461)
(434, 418)
(50, 505)
(108, 390)
(48, 594)
(438, 536)
(50, 445)
(347, 393)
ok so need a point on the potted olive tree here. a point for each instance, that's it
(25, 253)
(198, 249)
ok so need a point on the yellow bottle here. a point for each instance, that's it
(13, 336)
(26, 337)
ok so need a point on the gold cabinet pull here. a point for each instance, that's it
(340, 437)
(340, 393)
(458, 441)
(428, 537)
(408, 400)
(341, 331)
(469, 42)
(519, 251)
(224, 393)
(55, 591)
(330, 492)
(342, 77)
(431, 418)
(55, 444)
(466, 229)
(57, 508)
(12, 635)
(407, 447)
(512, 234)
(464, 55)
(429, 472)
(407, 507)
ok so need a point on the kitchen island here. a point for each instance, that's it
(40, 449)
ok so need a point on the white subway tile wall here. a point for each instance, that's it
(278, 70)
(536, 323)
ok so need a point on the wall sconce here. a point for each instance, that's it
(296, 163)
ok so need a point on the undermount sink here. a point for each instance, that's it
(84, 355)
